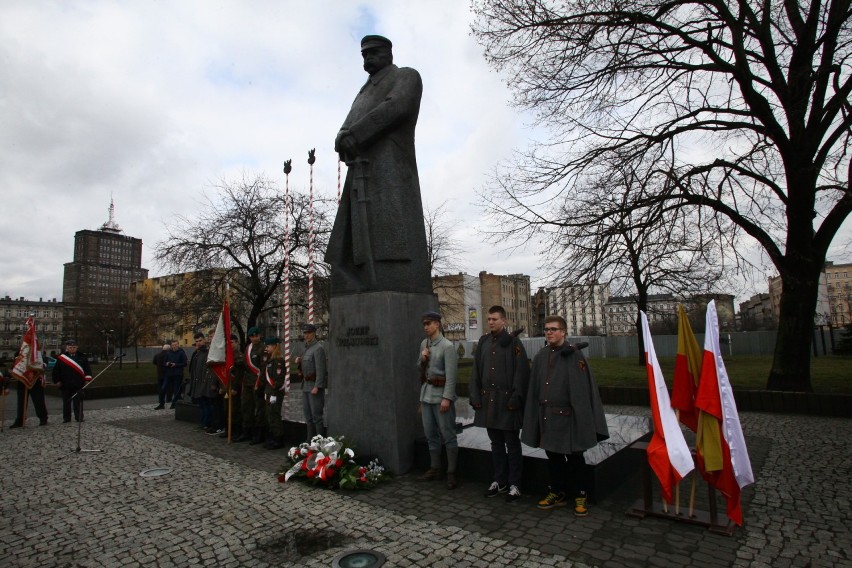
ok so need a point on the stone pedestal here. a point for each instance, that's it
(373, 342)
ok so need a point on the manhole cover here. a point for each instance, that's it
(298, 544)
(358, 559)
(156, 471)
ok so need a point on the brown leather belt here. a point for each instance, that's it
(310, 378)
(437, 381)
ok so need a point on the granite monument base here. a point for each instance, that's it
(608, 465)
(374, 338)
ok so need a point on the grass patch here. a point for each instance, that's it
(828, 374)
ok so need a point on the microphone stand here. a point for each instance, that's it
(82, 396)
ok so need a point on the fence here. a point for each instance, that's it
(733, 343)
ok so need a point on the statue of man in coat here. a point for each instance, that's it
(378, 242)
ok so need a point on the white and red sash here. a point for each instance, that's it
(75, 366)
(251, 366)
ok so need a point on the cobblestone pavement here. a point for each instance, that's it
(221, 506)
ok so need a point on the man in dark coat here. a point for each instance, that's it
(175, 362)
(379, 241)
(71, 373)
(160, 363)
(563, 415)
(498, 387)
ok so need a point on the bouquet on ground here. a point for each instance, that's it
(330, 461)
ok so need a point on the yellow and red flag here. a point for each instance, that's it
(29, 365)
(668, 454)
(686, 372)
(719, 442)
(220, 358)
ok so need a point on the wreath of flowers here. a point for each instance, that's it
(330, 461)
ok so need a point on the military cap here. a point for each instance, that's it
(70, 341)
(309, 327)
(272, 341)
(431, 316)
(253, 331)
(371, 41)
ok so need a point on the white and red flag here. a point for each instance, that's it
(220, 358)
(668, 454)
(29, 365)
(719, 443)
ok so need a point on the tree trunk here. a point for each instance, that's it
(791, 366)
(642, 305)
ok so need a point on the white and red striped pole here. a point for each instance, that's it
(286, 276)
(311, 160)
(338, 181)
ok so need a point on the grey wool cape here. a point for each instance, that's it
(498, 384)
(563, 413)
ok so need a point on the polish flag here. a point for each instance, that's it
(668, 453)
(719, 442)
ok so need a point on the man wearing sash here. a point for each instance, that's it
(71, 373)
(249, 402)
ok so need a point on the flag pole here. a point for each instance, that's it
(677, 487)
(5, 393)
(228, 371)
(26, 406)
(288, 167)
(311, 160)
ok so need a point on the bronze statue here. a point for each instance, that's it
(378, 242)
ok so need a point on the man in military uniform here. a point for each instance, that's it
(253, 358)
(438, 362)
(498, 387)
(563, 415)
(71, 373)
(276, 387)
(314, 367)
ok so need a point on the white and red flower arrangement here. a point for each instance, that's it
(330, 461)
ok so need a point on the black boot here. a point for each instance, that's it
(245, 435)
(258, 437)
(275, 443)
(16, 424)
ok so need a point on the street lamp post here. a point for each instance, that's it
(107, 333)
(120, 338)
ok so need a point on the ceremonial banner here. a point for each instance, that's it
(687, 371)
(668, 454)
(220, 358)
(29, 365)
(719, 443)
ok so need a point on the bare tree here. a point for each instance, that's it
(241, 231)
(444, 251)
(743, 106)
(607, 233)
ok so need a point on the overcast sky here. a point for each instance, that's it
(151, 102)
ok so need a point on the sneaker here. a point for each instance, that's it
(552, 500)
(514, 494)
(580, 509)
(494, 489)
(215, 431)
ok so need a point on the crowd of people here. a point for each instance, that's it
(258, 384)
(553, 404)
